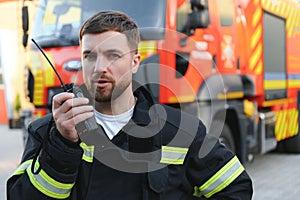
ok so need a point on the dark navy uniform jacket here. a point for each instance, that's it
(161, 153)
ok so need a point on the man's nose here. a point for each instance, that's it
(100, 64)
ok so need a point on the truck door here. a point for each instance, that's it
(185, 52)
(224, 14)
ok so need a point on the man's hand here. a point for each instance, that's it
(69, 111)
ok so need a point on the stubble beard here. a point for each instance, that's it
(107, 95)
(103, 95)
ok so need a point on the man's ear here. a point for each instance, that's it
(135, 63)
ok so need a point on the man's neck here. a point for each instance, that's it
(117, 106)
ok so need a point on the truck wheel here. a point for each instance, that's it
(226, 136)
(290, 145)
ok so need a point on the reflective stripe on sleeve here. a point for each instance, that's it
(22, 167)
(47, 185)
(221, 179)
(173, 155)
(88, 152)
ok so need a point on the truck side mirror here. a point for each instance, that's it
(61, 9)
(196, 19)
(199, 4)
(25, 39)
(199, 19)
(25, 24)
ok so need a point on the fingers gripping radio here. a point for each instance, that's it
(90, 123)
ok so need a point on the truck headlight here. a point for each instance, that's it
(72, 65)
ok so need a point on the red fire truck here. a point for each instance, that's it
(233, 63)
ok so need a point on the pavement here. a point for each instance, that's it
(11, 148)
(275, 176)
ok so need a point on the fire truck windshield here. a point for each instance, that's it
(57, 22)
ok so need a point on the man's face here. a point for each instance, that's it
(108, 64)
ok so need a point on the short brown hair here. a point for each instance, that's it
(112, 21)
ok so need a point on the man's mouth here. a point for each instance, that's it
(102, 83)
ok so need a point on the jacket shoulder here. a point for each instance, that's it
(181, 119)
(39, 126)
(181, 127)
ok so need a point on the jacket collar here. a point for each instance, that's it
(144, 102)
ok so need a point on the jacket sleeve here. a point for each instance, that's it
(58, 161)
(214, 171)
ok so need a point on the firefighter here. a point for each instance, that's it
(139, 150)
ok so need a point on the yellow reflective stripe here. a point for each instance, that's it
(47, 185)
(172, 161)
(21, 169)
(197, 192)
(173, 155)
(222, 178)
(88, 152)
(174, 149)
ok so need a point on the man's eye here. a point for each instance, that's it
(90, 56)
(113, 56)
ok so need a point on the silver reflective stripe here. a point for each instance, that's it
(21, 169)
(222, 178)
(47, 185)
(88, 152)
(173, 155)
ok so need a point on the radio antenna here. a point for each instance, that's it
(61, 82)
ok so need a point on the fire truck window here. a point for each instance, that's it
(226, 11)
(53, 18)
(58, 21)
(151, 20)
(274, 37)
(64, 13)
(182, 16)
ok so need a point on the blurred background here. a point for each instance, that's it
(235, 64)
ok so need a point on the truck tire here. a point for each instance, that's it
(226, 136)
(290, 145)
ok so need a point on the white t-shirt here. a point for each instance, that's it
(112, 124)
